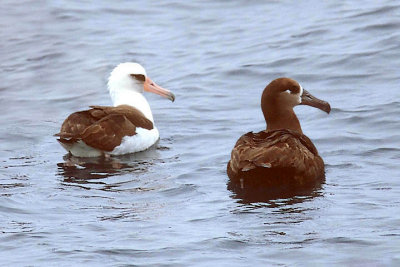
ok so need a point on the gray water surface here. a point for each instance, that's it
(170, 206)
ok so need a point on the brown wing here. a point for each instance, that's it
(281, 149)
(76, 123)
(103, 127)
(132, 114)
(107, 133)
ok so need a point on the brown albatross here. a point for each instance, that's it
(281, 155)
(126, 127)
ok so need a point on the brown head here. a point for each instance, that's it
(278, 100)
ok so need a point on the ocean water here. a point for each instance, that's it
(171, 206)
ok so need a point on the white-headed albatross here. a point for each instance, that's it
(126, 127)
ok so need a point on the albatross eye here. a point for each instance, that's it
(139, 77)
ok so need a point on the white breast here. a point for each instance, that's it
(142, 140)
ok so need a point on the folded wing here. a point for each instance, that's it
(103, 127)
(279, 149)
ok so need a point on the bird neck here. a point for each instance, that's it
(281, 118)
(131, 98)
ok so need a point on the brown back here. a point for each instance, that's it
(103, 127)
(276, 149)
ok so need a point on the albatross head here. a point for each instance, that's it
(280, 97)
(132, 77)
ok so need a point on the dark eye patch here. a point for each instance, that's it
(295, 90)
(139, 77)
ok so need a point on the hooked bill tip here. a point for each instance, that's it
(328, 108)
(171, 97)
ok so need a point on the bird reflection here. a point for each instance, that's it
(83, 170)
(285, 194)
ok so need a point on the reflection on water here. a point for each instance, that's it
(152, 210)
(274, 196)
(74, 169)
(88, 170)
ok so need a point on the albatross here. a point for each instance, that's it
(280, 156)
(126, 127)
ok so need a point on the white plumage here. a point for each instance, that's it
(126, 85)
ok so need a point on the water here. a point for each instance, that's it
(170, 206)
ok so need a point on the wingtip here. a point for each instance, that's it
(246, 169)
(265, 165)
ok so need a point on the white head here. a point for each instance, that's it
(132, 77)
(126, 85)
(121, 77)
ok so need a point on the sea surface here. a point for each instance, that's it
(171, 205)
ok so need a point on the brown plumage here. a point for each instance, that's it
(280, 156)
(102, 127)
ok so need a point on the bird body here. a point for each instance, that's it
(280, 156)
(126, 127)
